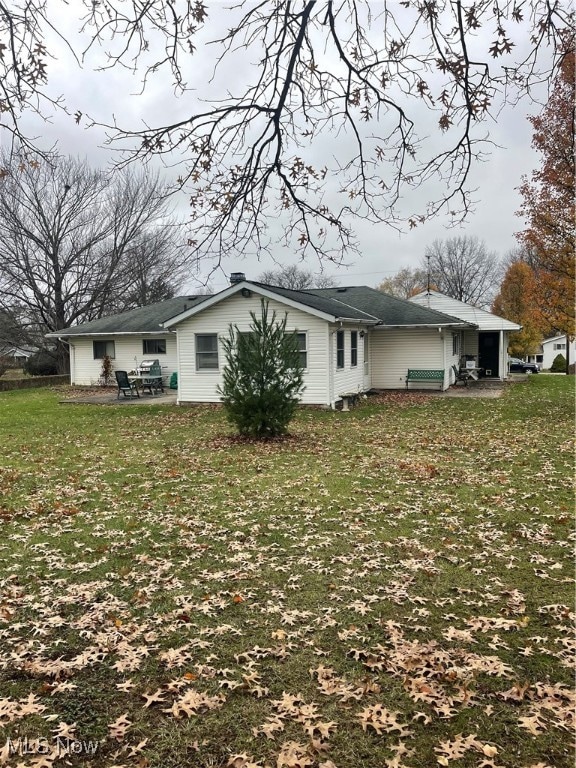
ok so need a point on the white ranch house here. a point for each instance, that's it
(351, 339)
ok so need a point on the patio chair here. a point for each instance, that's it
(126, 386)
(460, 375)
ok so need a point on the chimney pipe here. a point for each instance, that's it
(237, 277)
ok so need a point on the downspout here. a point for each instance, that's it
(72, 351)
(503, 368)
(178, 376)
(331, 399)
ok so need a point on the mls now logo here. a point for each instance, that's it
(58, 746)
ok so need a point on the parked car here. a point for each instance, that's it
(516, 365)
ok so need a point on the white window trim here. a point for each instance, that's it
(196, 353)
(342, 335)
(104, 341)
(305, 350)
(354, 365)
(145, 341)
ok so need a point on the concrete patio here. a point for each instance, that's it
(108, 396)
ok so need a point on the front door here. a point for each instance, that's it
(489, 352)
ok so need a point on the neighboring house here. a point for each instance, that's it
(17, 355)
(486, 341)
(351, 339)
(549, 349)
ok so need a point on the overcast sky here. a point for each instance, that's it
(383, 250)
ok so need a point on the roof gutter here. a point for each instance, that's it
(355, 320)
(108, 333)
(385, 326)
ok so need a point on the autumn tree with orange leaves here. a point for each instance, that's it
(518, 301)
(549, 201)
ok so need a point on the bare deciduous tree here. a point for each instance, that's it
(75, 241)
(463, 268)
(296, 278)
(321, 92)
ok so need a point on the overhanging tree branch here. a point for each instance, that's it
(330, 123)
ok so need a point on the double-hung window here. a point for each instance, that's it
(455, 345)
(206, 351)
(302, 349)
(353, 349)
(103, 349)
(339, 349)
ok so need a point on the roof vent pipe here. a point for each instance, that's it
(237, 277)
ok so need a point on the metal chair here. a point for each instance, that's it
(460, 375)
(126, 386)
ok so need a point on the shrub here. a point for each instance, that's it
(106, 371)
(559, 364)
(41, 363)
(262, 378)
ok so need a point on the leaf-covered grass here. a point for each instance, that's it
(386, 587)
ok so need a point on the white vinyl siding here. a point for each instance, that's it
(393, 352)
(470, 344)
(201, 387)
(85, 370)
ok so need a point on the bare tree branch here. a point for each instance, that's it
(381, 98)
(463, 268)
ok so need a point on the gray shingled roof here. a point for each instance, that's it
(326, 304)
(389, 310)
(358, 303)
(141, 320)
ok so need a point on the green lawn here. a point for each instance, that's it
(387, 588)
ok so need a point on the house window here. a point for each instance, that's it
(559, 346)
(455, 345)
(154, 347)
(302, 349)
(340, 349)
(206, 352)
(104, 349)
(353, 348)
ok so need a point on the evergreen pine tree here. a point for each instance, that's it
(558, 364)
(262, 378)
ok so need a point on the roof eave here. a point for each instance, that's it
(57, 335)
